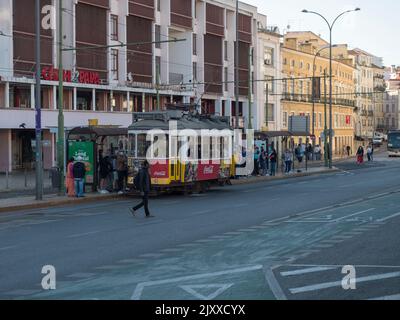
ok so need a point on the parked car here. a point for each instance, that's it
(377, 141)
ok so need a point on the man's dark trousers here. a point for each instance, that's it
(145, 203)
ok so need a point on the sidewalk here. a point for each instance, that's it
(282, 176)
(53, 200)
(22, 181)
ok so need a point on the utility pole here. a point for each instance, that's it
(237, 66)
(61, 131)
(267, 103)
(158, 85)
(250, 91)
(38, 118)
(326, 151)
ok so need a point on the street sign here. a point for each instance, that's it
(299, 124)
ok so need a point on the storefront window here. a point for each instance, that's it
(20, 97)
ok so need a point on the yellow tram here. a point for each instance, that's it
(186, 151)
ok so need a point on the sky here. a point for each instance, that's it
(373, 29)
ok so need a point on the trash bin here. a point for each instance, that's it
(55, 176)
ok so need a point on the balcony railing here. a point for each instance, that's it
(308, 99)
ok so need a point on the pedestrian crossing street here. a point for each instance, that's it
(319, 282)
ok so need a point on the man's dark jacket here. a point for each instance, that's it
(79, 170)
(145, 180)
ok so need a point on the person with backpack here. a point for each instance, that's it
(143, 184)
(122, 170)
(105, 168)
(370, 153)
(79, 172)
(360, 155)
(288, 161)
(262, 162)
(273, 158)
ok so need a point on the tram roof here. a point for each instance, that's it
(161, 121)
(95, 132)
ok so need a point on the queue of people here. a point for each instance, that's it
(113, 172)
(74, 182)
(265, 162)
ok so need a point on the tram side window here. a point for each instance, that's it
(142, 145)
(160, 147)
(132, 145)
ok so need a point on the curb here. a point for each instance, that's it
(69, 201)
(56, 203)
(297, 175)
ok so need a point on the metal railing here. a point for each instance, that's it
(308, 99)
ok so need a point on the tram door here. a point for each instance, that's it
(175, 165)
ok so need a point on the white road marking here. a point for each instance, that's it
(340, 266)
(220, 237)
(305, 271)
(390, 217)
(204, 241)
(139, 288)
(220, 289)
(202, 212)
(151, 255)
(81, 275)
(274, 284)
(247, 230)
(7, 248)
(130, 261)
(83, 234)
(233, 233)
(395, 297)
(354, 214)
(171, 250)
(327, 285)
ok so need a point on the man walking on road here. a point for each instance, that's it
(144, 186)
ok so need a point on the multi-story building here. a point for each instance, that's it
(106, 83)
(363, 62)
(391, 99)
(269, 69)
(379, 95)
(392, 109)
(299, 51)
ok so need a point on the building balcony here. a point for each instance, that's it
(380, 88)
(308, 99)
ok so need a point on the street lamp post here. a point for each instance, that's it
(313, 102)
(237, 67)
(330, 25)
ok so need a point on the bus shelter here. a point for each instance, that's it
(90, 142)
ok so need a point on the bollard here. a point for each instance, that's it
(7, 179)
(26, 178)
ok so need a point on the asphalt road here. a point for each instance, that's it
(285, 239)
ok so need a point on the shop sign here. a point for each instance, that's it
(80, 76)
